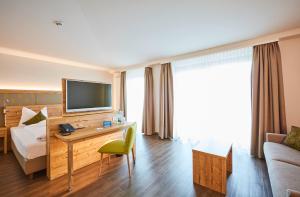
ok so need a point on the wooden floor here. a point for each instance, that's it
(163, 168)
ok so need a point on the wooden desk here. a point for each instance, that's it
(211, 162)
(81, 135)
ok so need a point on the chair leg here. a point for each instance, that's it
(100, 164)
(133, 156)
(128, 165)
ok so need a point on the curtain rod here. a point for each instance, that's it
(231, 46)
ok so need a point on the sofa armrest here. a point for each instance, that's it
(274, 137)
(292, 193)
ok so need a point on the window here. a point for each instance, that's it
(135, 96)
(212, 97)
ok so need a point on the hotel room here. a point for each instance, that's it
(150, 98)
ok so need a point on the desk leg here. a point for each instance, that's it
(133, 153)
(229, 162)
(5, 144)
(70, 165)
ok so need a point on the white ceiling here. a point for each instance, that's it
(114, 33)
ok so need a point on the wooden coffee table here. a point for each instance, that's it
(211, 163)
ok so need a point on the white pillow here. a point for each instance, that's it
(28, 113)
(45, 112)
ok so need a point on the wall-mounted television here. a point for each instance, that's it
(82, 96)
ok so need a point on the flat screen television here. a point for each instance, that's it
(84, 96)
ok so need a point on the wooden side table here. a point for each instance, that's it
(211, 163)
(3, 133)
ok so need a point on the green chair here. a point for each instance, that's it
(120, 147)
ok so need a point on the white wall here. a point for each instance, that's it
(28, 74)
(23, 73)
(290, 52)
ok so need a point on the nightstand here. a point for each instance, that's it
(3, 133)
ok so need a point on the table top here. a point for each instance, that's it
(216, 148)
(90, 132)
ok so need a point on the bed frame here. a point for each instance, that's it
(12, 116)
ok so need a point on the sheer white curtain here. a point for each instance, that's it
(212, 96)
(135, 96)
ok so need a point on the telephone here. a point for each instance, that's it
(66, 128)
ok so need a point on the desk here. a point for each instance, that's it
(81, 135)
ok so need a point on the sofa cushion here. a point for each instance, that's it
(283, 176)
(281, 152)
(293, 138)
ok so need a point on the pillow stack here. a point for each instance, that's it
(30, 117)
(293, 138)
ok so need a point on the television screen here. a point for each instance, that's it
(87, 96)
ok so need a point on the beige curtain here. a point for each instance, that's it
(166, 102)
(268, 105)
(148, 126)
(123, 93)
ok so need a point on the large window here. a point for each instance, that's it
(212, 96)
(135, 96)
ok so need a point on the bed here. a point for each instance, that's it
(28, 143)
(28, 149)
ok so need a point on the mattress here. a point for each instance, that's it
(27, 142)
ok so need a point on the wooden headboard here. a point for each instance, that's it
(12, 114)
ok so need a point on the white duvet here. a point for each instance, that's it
(27, 140)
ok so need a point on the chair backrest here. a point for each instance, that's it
(130, 137)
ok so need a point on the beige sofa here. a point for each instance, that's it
(283, 166)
